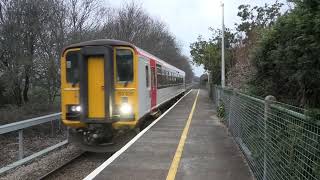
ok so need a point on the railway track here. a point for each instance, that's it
(61, 166)
(77, 167)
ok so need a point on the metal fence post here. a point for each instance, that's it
(240, 118)
(218, 96)
(230, 112)
(59, 125)
(214, 93)
(210, 90)
(68, 133)
(20, 144)
(232, 119)
(52, 129)
(268, 101)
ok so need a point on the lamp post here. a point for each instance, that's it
(223, 81)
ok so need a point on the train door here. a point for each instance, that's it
(148, 86)
(96, 100)
(96, 83)
(144, 86)
(153, 90)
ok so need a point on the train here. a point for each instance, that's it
(109, 88)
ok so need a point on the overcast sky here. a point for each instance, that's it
(187, 19)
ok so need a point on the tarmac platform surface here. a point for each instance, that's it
(206, 152)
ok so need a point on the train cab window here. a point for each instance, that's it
(124, 65)
(147, 76)
(72, 69)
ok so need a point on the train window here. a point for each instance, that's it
(172, 78)
(153, 77)
(163, 78)
(124, 65)
(159, 78)
(147, 76)
(72, 69)
(167, 78)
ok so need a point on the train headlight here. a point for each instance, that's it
(76, 108)
(125, 109)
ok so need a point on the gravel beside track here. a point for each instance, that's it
(43, 164)
(81, 167)
(35, 139)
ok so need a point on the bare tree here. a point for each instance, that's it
(33, 33)
(12, 50)
(81, 19)
(51, 41)
(131, 23)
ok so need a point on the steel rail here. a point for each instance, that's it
(62, 166)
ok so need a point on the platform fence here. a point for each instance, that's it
(24, 125)
(279, 141)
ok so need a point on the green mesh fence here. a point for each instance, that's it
(279, 141)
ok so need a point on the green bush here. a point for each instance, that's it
(221, 112)
(287, 58)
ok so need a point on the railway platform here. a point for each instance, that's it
(188, 142)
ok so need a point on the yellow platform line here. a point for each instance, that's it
(176, 159)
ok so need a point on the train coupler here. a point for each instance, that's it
(96, 134)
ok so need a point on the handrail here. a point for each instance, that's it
(19, 126)
(28, 123)
(288, 111)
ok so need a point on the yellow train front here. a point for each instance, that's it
(108, 87)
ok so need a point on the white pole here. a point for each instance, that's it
(223, 82)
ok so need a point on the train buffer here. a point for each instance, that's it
(188, 142)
